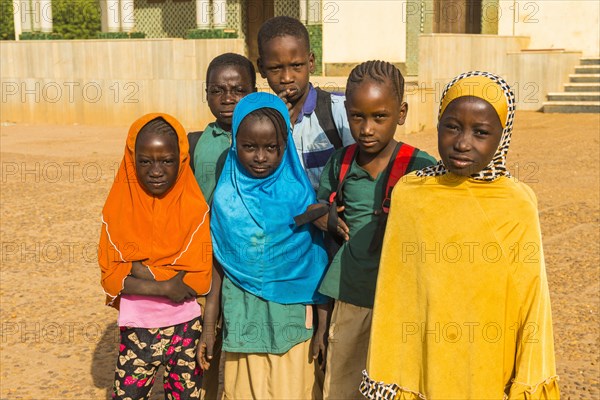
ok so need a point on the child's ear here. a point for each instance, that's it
(261, 68)
(311, 62)
(402, 113)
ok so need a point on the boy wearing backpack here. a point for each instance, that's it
(319, 118)
(229, 77)
(357, 183)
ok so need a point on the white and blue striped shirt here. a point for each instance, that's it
(312, 144)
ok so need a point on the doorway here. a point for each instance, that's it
(257, 12)
(457, 16)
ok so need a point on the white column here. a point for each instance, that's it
(35, 15)
(46, 15)
(27, 11)
(303, 12)
(17, 18)
(127, 17)
(202, 14)
(314, 11)
(110, 16)
(220, 14)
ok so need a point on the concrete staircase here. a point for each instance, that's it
(582, 93)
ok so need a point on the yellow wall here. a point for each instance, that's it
(553, 24)
(357, 31)
(107, 82)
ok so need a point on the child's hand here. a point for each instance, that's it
(176, 290)
(284, 96)
(204, 351)
(321, 222)
(319, 347)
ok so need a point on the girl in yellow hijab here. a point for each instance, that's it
(462, 309)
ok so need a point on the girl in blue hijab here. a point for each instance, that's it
(272, 268)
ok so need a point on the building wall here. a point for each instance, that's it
(553, 24)
(356, 31)
(531, 74)
(107, 82)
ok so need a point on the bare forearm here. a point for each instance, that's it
(324, 315)
(213, 299)
(139, 270)
(143, 287)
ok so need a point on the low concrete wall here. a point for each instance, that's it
(107, 82)
(531, 73)
(112, 82)
(534, 74)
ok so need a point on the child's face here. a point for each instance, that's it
(374, 112)
(469, 133)
(226, 86)
(156, 162)
(287, 63)
(258, 147)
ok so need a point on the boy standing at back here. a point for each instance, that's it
(229, 78)
(319, 120)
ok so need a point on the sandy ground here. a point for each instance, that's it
(59, 341)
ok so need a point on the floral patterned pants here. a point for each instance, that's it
(142, 351)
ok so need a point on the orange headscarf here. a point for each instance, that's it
(171, 233)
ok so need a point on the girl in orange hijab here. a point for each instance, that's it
(155, 257)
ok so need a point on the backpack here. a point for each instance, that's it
(401, 160)
(324, 115)
(193, 138)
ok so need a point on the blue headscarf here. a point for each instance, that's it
(254, 235)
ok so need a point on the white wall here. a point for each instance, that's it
(357, 31)
(553, 24)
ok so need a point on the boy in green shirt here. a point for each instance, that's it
(229, 78)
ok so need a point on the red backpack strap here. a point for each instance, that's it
(401, 161)
(336, 198)
(347, 157)
(331, 208)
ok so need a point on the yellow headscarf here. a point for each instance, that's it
(478, 86)
(494, 90)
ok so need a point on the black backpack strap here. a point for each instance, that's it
(193, 138)
(325, 116)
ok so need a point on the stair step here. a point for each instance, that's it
(584, 78)
(571, 107)
(582, 87)
(587, 69)
(574, 96)
(590, 61)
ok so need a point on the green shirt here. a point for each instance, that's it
(254, 325)
(352, 275)
(209, 158)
